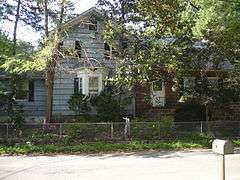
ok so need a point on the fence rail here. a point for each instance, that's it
(80, 132)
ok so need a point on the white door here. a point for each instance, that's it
(158, 94)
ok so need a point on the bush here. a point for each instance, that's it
(153, 128)
(79, 103)
(86, 132)
(166, 124)
(107, 106)
(190, 111)
(18, 119)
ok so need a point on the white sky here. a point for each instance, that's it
(27, 34)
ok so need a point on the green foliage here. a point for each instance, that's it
(166, 125)
(191, 142)
(76, 133)
(107, 106)
(165, 46)
(79, 103)
(153, 128)
(18, 120)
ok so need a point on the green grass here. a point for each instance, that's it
(191, 142)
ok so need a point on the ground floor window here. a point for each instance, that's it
(90, 82)
(94, 85)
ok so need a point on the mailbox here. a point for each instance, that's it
(222, 147)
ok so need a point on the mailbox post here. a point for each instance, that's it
(222, 147)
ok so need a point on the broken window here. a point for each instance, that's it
(93, 26)
(107, 51)
(78, 48)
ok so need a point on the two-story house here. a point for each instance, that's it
(86, 72)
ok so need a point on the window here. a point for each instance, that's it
(78, 49)
(81, 85)
(92, 26)
(76, 85)
(107, 51)
(90, 82)
(93, 85)
(22, 91)
(31, 91)
(25, 91)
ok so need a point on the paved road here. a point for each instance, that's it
(188, 165)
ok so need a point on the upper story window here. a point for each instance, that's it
(78, 49)
(108, 51)
(93, 26)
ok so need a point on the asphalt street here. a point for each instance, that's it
(162, 165)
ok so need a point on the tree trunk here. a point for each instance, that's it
(51, 66)
(50, 74)
(14, 52)
(15, 28)
(46, 17)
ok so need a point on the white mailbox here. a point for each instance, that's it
(222, 147)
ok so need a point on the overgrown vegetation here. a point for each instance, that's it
(192, 142)
(107, 106)
(79, 103)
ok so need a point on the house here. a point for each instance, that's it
(86, 72)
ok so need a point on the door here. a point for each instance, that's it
(158, 93)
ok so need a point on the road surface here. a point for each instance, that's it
(163, 165)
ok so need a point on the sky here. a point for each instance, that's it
(27, 34)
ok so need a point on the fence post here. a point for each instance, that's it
(7, 131)
(159, 130)
(201, 127)
(60, 130)
(111, 130)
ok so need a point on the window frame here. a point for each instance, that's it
(26, 84)
(85, 75)
(98, 85)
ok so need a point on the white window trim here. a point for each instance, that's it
(156, 93)
(85, 74)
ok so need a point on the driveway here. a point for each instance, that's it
(164, 165)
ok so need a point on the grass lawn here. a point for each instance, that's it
(106, 147)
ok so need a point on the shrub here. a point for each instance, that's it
(86, 132)
(153, 128)
(190, 111)
(79, 103)
(166, 124)
(18, 119)
(107, 106)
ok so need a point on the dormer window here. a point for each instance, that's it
(78, 49)
(93, 26)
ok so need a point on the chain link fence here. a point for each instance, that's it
(92, 132)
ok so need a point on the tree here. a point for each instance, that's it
(119, 14)
(51, 49)
(16, 61)
(176, 39)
